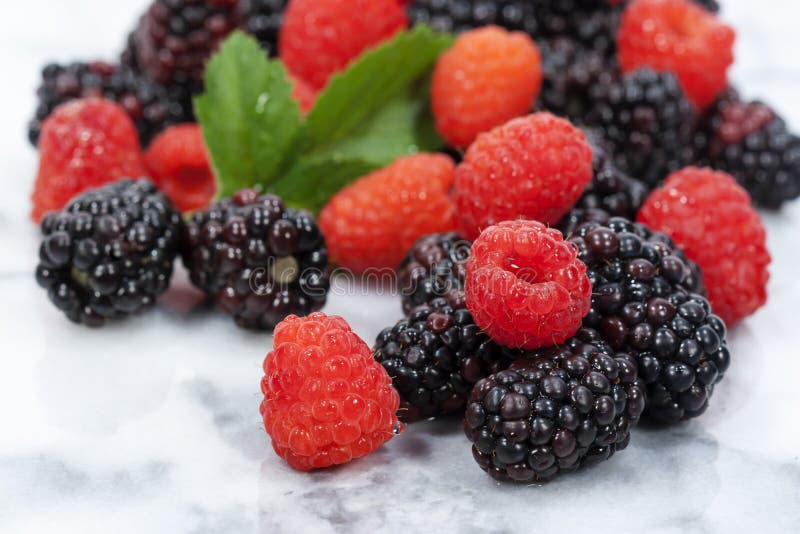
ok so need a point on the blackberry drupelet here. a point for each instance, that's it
(152, 107)
(262, 19)
(556, 410)
(611, 190)
(752, 143)
(259, 260)
(571, 72)
(110, 252)
(648, 121)
(436, 355)
(435, 265)
(462, 15)
(645, 302)
(175, 38)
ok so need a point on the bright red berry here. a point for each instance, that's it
(320, 37)
(84, 144)
(489, 76)
(525, 285)
(326, 400)
(178, 163)
(710, 216)
(678, 36)
(375, 220)
(533, 167)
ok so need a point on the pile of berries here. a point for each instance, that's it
(568, 264)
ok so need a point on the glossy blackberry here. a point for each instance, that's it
(175, 38)
(711, 5)
(648, 122)
(436, 355)
(752, 143)
(611, 190)
(435, 265)
(259, 260)
(152, 107)
(571, 72)
(462, 15)
(556, 410)
(110, 252)
(644, 301)
(592, 23)
(263, 19)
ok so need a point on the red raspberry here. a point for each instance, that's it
(534, 167)
(678, 36)
(178, 163)
(326, 400)
(489, 76)
(525, 285)
(320, 37)
(375, 220)
(710, 216)
(84, 144)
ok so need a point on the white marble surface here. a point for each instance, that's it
(152, 425)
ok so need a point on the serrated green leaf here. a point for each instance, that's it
(402, 126)
(368, 84)
(250, 123)
(309, 183)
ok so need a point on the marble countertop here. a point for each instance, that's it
(152, 425)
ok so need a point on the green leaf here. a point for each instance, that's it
(376, 78)
(402, 126)
(251, 125)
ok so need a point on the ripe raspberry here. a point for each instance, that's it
(533, 167)
(525, 285)
(84, 143)
(375, 220)
(179, 166)
(678, 36)
(710, 216)
(489, 76)
(320, 37)
(326, 401)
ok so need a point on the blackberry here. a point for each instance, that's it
(462, 15)
(752, 143)
(152, 107)
(570, 72)
(262, 19)
(592, 23)
(611, 190)
(436, 355)
(710, 5)
(556, 410)
(648, 121)
(644, 301)
(435, 265)
(110, 252)
(175, 38)
(258, 259)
